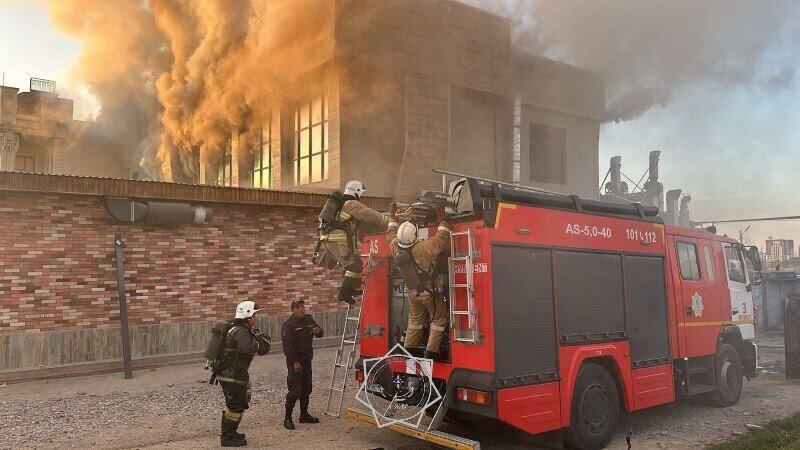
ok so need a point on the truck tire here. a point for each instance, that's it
(728, 376)
(595, 409)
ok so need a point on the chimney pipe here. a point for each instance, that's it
(616, 175)
(672, 206)
(653, 170)
(683, 216)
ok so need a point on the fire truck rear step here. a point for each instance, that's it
(433, 436)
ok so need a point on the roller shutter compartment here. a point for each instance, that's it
(589, 294)
(647, 310)
(525, 344)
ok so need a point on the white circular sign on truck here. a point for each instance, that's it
(398, 388)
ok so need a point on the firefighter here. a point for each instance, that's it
(341, 220)
(425, 302)
(297, 334)
(242, 343)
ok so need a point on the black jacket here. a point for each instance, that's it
(296, 336)
(241, 346)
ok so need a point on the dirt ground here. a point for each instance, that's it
(172, 407)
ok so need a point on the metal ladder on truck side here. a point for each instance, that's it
(348, 344)
(470, 334)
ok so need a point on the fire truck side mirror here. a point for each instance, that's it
(755, 257)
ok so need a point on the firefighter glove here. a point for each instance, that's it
(297, 367)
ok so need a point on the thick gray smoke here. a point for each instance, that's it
(645, 49)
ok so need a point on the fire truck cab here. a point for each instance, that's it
(564, 311)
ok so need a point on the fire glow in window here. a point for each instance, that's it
(262, 161)
(311, 160)
(225, 171)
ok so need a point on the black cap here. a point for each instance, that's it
(297, 303)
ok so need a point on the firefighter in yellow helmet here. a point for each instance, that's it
(340, 222)
(416, 260)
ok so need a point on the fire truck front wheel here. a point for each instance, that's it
(728, 366)
(595, 408)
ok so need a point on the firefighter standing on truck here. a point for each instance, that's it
(297, 335)
(242, 343)
(416, 260)
(339, 223)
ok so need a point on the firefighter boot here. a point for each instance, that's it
(348, 289)
(431, 355)
(229, 437)
(287, 421)
(305, 417)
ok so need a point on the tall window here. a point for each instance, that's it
(311, 160)
(262, 163)
(687, 259)
(25, 164)
(225, 174)
(548, 154)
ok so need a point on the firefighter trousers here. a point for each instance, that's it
(423, 307)
(351, 265)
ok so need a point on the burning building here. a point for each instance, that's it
(386, 91)
(39, 135)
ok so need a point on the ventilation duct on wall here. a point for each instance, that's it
(157, 213)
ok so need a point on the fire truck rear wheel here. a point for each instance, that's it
(728, 368)
(595, 408)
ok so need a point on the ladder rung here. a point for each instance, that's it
(460, 312)
(460, 285)
(353, 318)
(337, 389)
(459, 258)
(349, 342)
(341, 365)
(458, 233)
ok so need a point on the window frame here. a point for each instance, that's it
(557, 159)
(711, 275)
(25, 159)
(259, 166)
(742, 267)
(309, 127)
(685, 245)
(225, 169)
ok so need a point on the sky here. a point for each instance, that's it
(735, 148)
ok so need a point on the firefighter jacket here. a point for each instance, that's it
(425, 252)
(352, 215)
(297, 335)
(241, 345)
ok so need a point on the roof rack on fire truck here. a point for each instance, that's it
(486, 193)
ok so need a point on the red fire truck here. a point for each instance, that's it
(563, 311)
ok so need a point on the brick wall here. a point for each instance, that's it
(58, 287)
(58, 268)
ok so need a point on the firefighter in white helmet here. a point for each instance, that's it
(242, 343)
(340, 222)
(426, 303)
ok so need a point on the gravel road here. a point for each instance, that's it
(173, 407)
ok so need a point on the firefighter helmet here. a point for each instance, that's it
(354, 188)
(246, 309)
(407, 234)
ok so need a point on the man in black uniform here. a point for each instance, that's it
(242, 343)
(297, 334)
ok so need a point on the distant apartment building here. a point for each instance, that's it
(39, 135)
(776, 250)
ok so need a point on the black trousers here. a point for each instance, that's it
(237, 396)
(299, 386)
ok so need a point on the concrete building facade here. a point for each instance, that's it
(777, 250)
(387, 91)
(39, 135)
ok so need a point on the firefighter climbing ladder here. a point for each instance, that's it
(348, 345)
(468, 334)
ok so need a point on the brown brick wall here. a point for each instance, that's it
(57, 265)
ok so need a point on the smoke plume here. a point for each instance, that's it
(647, 49)
(176, 77)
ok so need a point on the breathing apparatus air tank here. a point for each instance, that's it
(216, 342)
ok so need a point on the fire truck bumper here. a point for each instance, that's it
(433, 436)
